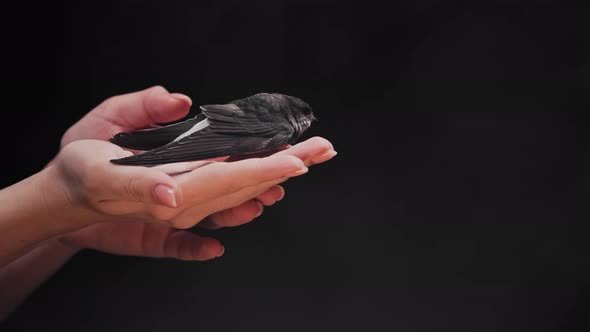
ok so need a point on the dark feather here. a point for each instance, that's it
(148, 139)
(229, 133)
(205, 145)
(248, 126)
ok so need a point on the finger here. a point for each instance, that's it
(185, 245)
(245, 194)
(251, 172)
(236, 216)
(141, 184)
(312, 151)
(271, 196)
(219, 179)
(245, 212)
(144, 108)
(199, 212)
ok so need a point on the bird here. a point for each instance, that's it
(256, 124)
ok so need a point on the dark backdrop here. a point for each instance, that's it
(458, 200)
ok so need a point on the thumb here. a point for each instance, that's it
(144, 108)
(147, 185)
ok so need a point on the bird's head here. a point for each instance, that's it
(304, 112)
(295, 110)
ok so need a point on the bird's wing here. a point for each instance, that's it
(152, 138)
(230, 132)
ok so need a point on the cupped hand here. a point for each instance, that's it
(147, 218)
(137, 110)
(142, 220)
(218, 194)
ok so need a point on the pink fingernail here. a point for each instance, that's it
(329, 155)
(181, 97)
(165, 195)
(298, 172)
(222, 251)
(282, 195)
(260, 209)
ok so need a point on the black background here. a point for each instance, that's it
(458, 200)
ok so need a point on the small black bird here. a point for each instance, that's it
(259, 123)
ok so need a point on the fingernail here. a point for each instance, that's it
(282, 195)
(330, 154)
(165, 195)
(181, 97)
(260, 209)
(298, 172)
(222, 251)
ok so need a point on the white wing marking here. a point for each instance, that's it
(199, 126)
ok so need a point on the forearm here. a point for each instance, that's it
(21, 277)
(34, 210)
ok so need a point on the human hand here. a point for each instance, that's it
(143, 237)
(141, 110)
(127, 112)
(220, 193)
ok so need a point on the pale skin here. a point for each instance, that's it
(82, 201)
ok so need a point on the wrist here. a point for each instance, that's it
(62, 204)
(34, 210)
